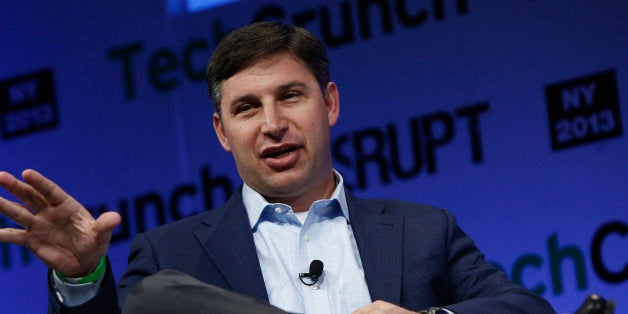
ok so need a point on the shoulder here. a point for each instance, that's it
(182, 225)
(403, 206)
(192, 223)
(408, 210)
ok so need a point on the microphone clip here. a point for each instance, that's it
(313, 278)
(316, 270)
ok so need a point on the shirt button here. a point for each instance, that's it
(314, 287)
(306, 238)
(278, 210)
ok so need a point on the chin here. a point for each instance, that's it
(285, 188)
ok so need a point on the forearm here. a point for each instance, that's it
(479, 286)
(512, 302)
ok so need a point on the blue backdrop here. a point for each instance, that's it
(509, 113)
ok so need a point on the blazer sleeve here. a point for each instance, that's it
(476, 286)
(141, 263)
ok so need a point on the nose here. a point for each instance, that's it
(275, 123)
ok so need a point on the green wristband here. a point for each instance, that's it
(93, 276)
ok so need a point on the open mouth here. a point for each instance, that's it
(280, 153)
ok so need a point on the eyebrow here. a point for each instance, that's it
(290, 85)
(281, 88)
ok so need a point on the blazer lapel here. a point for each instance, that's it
(228, 241)
(379, 237)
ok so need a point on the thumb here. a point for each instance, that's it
(104, 226)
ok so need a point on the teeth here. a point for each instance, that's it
(282, 153)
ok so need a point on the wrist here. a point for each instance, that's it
(92, 277)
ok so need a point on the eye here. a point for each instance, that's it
(292, 95)
(243, 108)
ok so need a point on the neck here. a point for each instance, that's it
(303, 202)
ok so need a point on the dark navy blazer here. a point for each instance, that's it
(413, 255)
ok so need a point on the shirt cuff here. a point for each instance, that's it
(436, 310)
(73, 294)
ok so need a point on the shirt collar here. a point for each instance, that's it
(255, 202)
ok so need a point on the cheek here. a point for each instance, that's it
(318, 128)
(242, 139)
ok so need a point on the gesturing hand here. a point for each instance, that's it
(57, 228)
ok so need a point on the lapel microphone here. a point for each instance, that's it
(316, 270)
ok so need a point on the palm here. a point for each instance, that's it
(58, 229)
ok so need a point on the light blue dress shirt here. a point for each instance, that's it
(286, 246)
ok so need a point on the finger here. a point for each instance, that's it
(16, 212)
(51, 192)
(12, 235)
(23, 192)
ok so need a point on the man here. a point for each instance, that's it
(274, 106)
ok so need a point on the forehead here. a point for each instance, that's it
(267, 71)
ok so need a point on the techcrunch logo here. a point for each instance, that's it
(166, 68)
(557, 255)
(142, 211)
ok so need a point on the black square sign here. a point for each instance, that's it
(583, 110)
(27, 104)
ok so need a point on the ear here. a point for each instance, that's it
(332, 102)
(220, 132)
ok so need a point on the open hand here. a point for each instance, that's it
(57, 228)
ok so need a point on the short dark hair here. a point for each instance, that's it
(244, 46)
